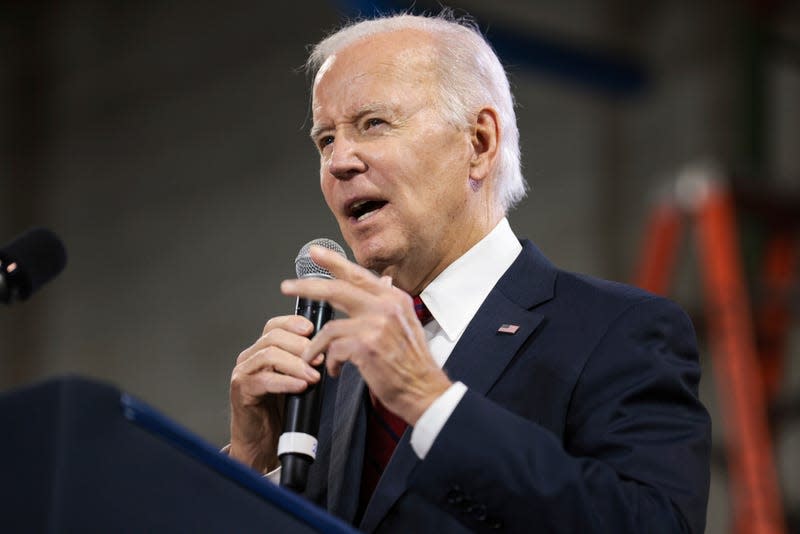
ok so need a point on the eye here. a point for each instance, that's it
(325, 141)
(372, 122)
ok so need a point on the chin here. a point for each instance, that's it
(374, 257)
(372, 262)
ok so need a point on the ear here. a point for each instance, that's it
(485, 143)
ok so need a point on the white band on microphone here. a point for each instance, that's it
(299, 443)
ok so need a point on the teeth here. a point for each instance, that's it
(357, 205)
(363, 209)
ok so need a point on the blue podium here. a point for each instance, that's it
(80, 456)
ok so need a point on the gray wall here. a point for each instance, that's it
(167, 144)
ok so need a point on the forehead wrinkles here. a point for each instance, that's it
(358, 66)
(350, 96)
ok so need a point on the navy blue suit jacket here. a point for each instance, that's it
(586, 419)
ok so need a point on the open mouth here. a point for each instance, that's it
(364, 209)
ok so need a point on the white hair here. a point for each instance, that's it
(470, 76)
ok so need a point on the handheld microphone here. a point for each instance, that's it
(28, 262)
(297, 446)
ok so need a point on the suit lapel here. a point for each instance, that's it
(528, 282)
(484, 351)
(482, 337)
(345, 444)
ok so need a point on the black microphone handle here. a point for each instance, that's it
(302, 413)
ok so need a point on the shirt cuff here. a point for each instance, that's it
(273, 476)
(433, 419)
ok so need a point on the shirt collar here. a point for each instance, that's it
(454, 296)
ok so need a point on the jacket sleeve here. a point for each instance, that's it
(634, 455)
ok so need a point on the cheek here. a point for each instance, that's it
(449, 162)
(326, 186)
(444, 149)
(323, 164)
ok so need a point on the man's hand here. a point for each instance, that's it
(381, 336)
(264, 372)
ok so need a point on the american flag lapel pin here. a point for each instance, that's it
(508, 329)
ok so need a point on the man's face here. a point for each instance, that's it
(392, 171)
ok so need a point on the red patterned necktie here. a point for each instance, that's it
(422, 311)
(384, 430)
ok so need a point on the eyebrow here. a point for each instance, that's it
(316, 130)
(366, 109)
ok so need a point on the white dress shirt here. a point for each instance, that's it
(453, 299)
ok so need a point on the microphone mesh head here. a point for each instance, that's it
(305, 266)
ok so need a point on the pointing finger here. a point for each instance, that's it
(343, 269)
(341, 294)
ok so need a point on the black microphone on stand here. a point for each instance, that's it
(297, 446)
(28, 262)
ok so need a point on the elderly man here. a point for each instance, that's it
(535, 399)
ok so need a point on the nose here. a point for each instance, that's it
(345, 160)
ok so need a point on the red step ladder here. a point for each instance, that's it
(744, 386)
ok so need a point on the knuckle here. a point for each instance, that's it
(391, 308)
(262, 354)
(268, 326)
(243, 356)
(268, 354)
(404, 298)
(328, 329)
(372, 338)
(269, 337)
(398, 309)
(236, 381)
(359, 277)
(271, 324)
(382, 322)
